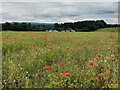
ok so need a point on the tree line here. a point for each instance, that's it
(23, 27)
(80, 26)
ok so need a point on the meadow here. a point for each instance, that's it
(60, 60)
(112, 29)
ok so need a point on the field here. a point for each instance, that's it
(60, 60)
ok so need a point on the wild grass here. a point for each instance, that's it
(25, 56)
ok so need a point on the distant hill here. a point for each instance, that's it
(37, 23)
(45, 24)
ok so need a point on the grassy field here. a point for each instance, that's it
(60, 60)
(112, 29)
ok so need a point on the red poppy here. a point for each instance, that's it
(101, 49)
(84, 47)
(11, 40)
(47, 68)
(108, 49)
(68, 48)
(67, 74)
(36, 49)
(97, 58)
(115, 52)
(32, 44)
(48, 47)
(76, 49)
(20, 39)
(119, 47)
(112, 45)
(93, 45)
(91, 63)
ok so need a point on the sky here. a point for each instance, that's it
(58, 12)
(59, 0)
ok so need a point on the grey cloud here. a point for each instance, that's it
(58, 11)
(59, 0)
(105, 12)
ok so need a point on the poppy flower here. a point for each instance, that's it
(47, 68)
(84, 47)
(108, 49)
(11, 40)
(32, 44)
(112, 45)
(91, 63)
(119, 47)
(67, 74)
(115, 52)
(93, 45)
(20, 39)
(76, 49)
(48, 47)
(101, 49)
(36, 49)
(14, 42)
(96, 58)
(68, 48)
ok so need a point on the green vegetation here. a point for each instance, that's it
(80, 26)
(60, 60)
(112, 29)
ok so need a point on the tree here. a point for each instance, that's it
(7, 26)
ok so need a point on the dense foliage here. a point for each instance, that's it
(84, 26)
(24, 27)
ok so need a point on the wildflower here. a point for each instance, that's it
(20, 39)
(97, 58)
(10, 40)
(91, 63)
(47, 68)
(115, 52)
(112, 45)
(48, 47)
(84, 47)
(36, 49)
(108, 49)
(119, 47)
(68, 48)
(67, 74)
(101, 49)
(32, 44)
(76, 49)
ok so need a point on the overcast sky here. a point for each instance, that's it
(59, 1)
(52, 12)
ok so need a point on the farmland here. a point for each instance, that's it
(112, 29)
(60, 60)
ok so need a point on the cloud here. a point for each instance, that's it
(59, 1)
(59, 11)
